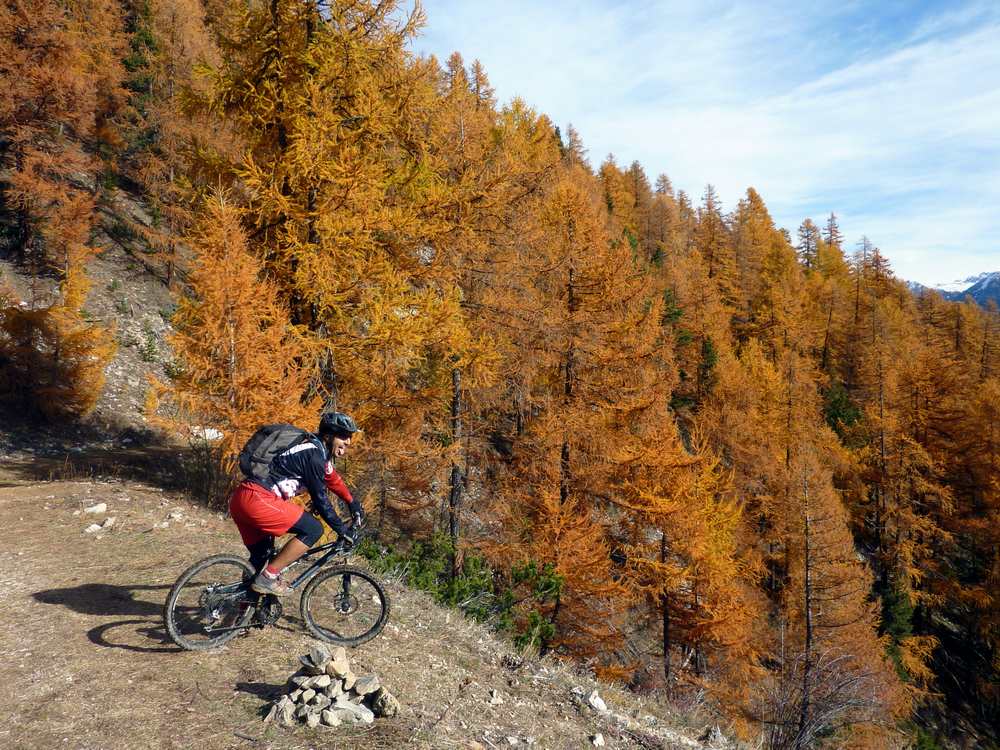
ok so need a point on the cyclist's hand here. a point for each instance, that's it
(359, 522)
(349, 537)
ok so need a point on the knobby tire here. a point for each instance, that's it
(170, 608)
(321, 623)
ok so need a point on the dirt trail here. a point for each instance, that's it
(86, 664)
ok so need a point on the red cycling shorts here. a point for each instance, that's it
(259, 513)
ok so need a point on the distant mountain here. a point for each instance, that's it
(982, 288)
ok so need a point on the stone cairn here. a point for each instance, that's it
(326, 691)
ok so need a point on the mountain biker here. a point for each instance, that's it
(262, 510)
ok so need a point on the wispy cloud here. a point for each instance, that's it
(885, 113)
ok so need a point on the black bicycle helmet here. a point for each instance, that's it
(338, 424)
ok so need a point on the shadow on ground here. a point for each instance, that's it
(105, 599)
(143, 630)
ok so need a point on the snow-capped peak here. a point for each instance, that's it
(960, 285)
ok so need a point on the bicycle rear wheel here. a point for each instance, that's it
(345, 605)
(208, 601)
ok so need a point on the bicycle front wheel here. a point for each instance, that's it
(210, 603)
(345, 605)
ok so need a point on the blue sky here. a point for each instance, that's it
(887, 113)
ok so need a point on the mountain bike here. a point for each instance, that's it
(212, 602)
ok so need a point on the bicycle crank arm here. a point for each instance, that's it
(229, 629)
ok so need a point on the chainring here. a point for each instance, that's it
(268, 611)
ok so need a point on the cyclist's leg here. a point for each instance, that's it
(307, 531)
(260, 552)
(242, 508)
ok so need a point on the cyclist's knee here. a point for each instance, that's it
(307, 529)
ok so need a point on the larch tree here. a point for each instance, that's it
(239, 362)
(809, 238)
(833, 674)
(52, 357)
(714, 241)
(344, 202)
(64, 79)
(831, 232)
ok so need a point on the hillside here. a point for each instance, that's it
(645, 431)
(85, 643)
(88, 665)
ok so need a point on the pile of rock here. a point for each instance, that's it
(326, 691)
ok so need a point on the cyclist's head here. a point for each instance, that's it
(336, 430)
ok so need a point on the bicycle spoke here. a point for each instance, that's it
(209, 603)
(345, 607)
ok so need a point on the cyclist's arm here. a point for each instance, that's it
(335, 484)
(314, 479)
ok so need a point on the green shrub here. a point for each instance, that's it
(478, 590)
(148, 351)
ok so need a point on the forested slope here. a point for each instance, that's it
(741, 464)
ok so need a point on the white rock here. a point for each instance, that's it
(330, 718)
(99, 508)
(369, 683)
(597, 740)
(108, 522)
(596, 702)
(495, 699)
(92, 529)
(208, 434)
(334, 689)
(358, 711)
(338, 666)
(319, 654)
(321, 700)
(320, 681)
(513, 741)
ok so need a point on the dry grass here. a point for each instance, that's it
(86, 663)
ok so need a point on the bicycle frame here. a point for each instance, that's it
(328, 551)
(239, 590)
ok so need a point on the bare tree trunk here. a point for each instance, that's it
(825, 360)
(804, 706)
(665, 613)
(455, 495)
(383, 493)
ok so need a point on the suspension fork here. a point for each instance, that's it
(345, 598)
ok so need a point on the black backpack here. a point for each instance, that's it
(264, 445)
